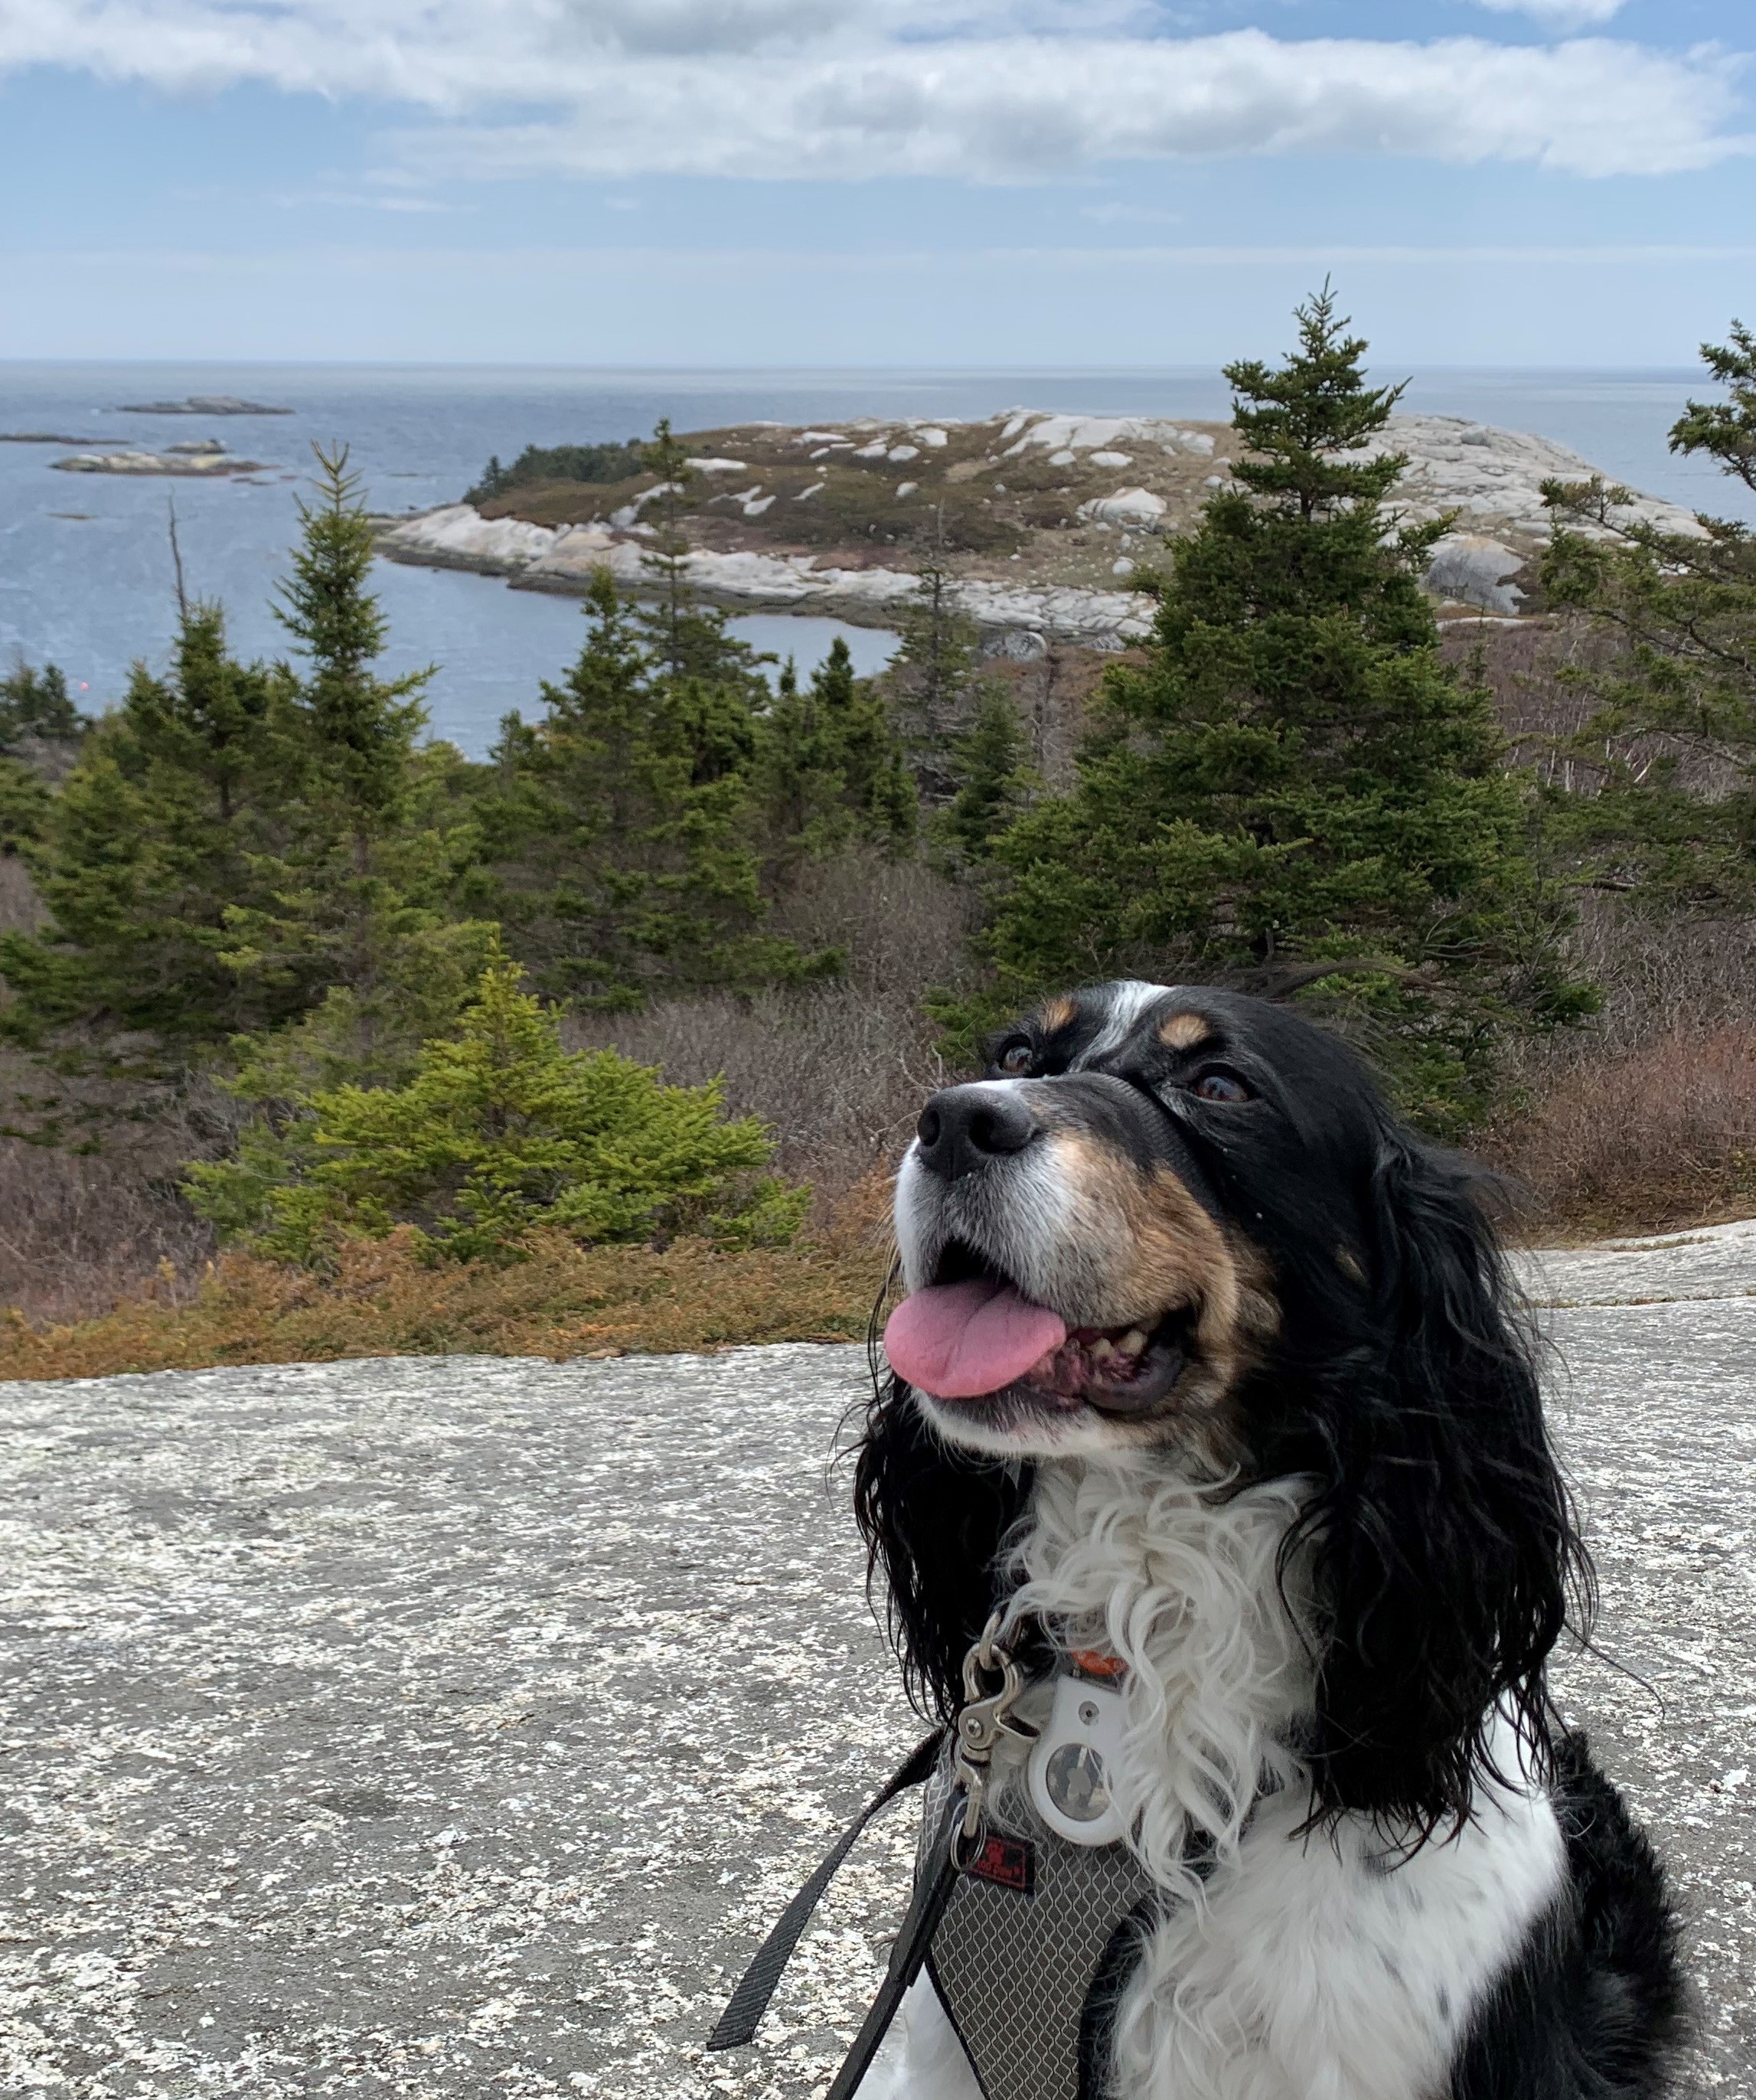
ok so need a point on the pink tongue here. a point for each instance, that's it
(958, 1340)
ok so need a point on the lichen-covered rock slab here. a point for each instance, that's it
(440, 1728)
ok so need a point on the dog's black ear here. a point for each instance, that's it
(933, 1519)
(1444, 1552)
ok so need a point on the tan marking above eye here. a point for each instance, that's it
(1183, 1032)
(1058, 1012)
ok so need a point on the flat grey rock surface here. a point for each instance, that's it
(1712, 1261)
(456, 1728)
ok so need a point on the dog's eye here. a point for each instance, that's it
(1221, 1087)
(1015, 1059)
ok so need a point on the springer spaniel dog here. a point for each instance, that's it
(1211, 1379)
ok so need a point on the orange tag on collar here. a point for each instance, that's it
(1093, 1662)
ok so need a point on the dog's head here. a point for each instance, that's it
(1181, 1220)
(1090, 1234)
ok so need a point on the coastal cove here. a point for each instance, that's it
(86, 573)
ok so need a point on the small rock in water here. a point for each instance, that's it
(201, 404)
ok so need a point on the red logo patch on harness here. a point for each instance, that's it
(1007, 1862)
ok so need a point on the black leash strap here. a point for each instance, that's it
(749, 2001)
(933, 1892)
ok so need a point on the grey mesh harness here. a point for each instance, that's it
(1036, 1943)
(1029, 1938)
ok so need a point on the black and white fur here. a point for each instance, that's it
(1332, 1547)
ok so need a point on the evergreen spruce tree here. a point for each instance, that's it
(497, 1131)
(380, 834)
(239, 843)
(36, 709)
(995, 780)
(40, 731)
(1725, 430)
(1293, 775)
(178, 802)
(832, 767)
(1668, 750)
(621, 827)
(933, 677)
(666, 561)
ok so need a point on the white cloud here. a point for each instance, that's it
(1560, 14)
(847, 89)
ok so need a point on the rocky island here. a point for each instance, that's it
(1045, 518)
(205, 458)
(202, 404)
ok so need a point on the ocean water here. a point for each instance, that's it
(86, 573)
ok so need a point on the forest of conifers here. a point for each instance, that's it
(607, 1041)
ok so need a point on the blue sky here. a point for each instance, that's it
(870, 182)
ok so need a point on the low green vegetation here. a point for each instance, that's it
(840, 495)
(539, 464)
(498, 1133)
(264, 879)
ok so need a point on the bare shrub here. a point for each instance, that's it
(839, 1070)
(21, 908)
(1529, 669)
(1660, 1136)
(1054, 686)
(838, 1075)
(902, 924)
(84, 1223)
(1660, 975)
(1646, 1117)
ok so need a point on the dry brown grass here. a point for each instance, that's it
(564, 1301)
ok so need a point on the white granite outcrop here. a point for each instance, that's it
(1029, 428)
(434, 1727)
(1137, 507)
(1489, 474)
(1467, 568)
(1489, 479)
(562, 557)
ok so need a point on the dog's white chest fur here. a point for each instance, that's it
(1310, 1967)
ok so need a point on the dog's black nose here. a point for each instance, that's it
(964, 1127)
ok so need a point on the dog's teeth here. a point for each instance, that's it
(1102, 1350)
(1131, 1342)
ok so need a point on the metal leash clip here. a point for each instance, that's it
(983, 1718)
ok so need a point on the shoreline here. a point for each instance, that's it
(1486, 481)
(752, 583)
